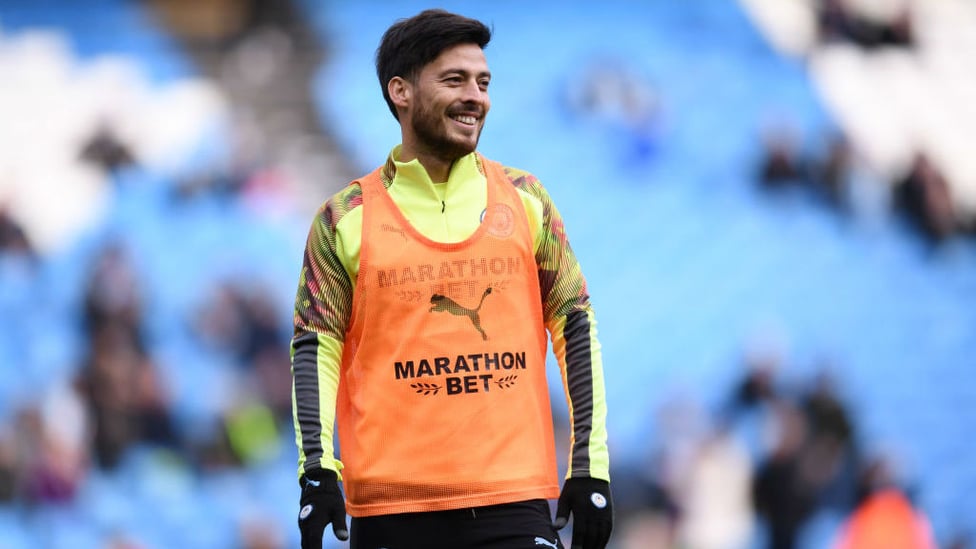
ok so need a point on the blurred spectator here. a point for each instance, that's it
(781, 163)
(222, 321)
(831, 442)
(113, 295)
(757, 387)
(836, 178)
(105, 383)
(877, 474)
(9, 465)
(105, 150)
(49, 456)
(124, 393)
(885, 517)
(886, 520)
(832, 176)
(649, 496)
(715, 497)
(13, 239)
(783, 490)
(59, 458)
(250, 425)
(263, 333)
(837, 21)
(833, 21)
(923, 196)
(125, 396)
(845, 184)
(252, 432)
(211, 450)
(657, 524)
(244, 323)
(274, 390)
(647, 529)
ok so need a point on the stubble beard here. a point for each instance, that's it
(433, 135)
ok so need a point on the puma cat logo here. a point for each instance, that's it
(544, 541)
(443, 303)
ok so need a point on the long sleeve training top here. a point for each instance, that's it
(444, 212)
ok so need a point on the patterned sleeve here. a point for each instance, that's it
(322, 307)
(572, 327)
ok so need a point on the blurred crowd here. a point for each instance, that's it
(836, 177)
(110, 387)
(140, 338)
(760, 468)
(117, 399)
(912, 183)
(765, 467)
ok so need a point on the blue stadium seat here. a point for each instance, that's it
(15, 531)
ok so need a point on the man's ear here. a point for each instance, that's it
(400, 92)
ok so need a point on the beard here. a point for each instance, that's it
(434, 135)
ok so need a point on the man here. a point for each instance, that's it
(426, 292)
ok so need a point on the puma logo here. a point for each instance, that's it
(443, 303)
(544, 541)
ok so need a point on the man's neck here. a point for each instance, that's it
(438, 167)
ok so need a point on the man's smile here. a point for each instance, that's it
(465, 119)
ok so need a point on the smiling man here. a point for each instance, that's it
(427, 291)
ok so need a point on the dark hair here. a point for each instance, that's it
(410, 44)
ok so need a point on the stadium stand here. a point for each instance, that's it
(646, 121)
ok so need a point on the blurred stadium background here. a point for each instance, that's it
(773, 202)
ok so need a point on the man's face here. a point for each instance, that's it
(450, 102)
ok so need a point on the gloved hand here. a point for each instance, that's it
(321, 504)
(591, 504)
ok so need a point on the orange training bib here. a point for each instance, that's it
(443, 401)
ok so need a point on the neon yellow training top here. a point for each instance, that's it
(444, 212)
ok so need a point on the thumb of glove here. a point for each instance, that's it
(338, 519)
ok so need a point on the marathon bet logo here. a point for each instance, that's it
(479, 372)
(449, 271)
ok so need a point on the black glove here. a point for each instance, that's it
(321, 504)
(590, 502)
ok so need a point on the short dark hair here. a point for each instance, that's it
(410, 44)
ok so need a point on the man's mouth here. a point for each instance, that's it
(466, 119)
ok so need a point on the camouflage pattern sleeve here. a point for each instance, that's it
(324, 299)
(322, 307)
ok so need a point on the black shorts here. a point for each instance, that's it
(520, 525)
